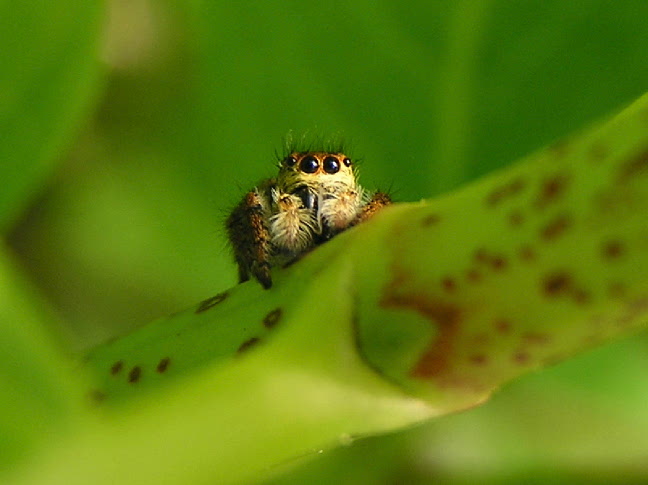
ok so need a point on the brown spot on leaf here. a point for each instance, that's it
(505, 191)
(521, 357)
(597, 152)
(478, 359)
(248, 344)
(616, 289)
(559, 148)
(272, 318)
(556, 283)
(551, 189)
(517, 186)
(481, 255)
(639, 305)
(613, 203)
(473, 275)
(430, 220)
(515, 218)
(581, 296)
(526, 253)
(612, 250)
(436, 359)
(561, 283)
(435, 363)
(448, 284)
(624, 319)
(163, 365)
(556, 227)
(553, 359)
(135, 374)
(633, 310)
(499, 263)
(117, 367)
(211, 302)
(503, 326)
(97, 396)
(536, 338)
(633, 168)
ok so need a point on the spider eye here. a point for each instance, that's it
(331, 165)
(347, 162)
(309, 164)
(290, 161)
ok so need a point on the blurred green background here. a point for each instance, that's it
(131, 127)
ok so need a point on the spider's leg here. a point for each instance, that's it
(249, 236)
(377, 202)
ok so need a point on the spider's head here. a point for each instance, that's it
(316, 172)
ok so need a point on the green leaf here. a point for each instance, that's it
(41, 394)
(48, 79)
(385, 333)
(232, 411)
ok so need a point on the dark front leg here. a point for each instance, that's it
(250, 240)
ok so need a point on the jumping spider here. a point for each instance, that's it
(314, 197)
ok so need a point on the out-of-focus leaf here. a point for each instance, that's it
(48, 77)
(40, 391)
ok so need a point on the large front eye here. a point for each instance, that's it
(309, 164)
(331, 165)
